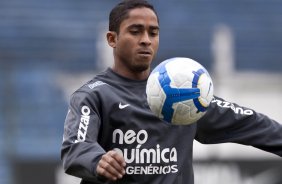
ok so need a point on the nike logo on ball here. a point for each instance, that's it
(121, 106)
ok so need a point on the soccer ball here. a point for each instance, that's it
(179, 91)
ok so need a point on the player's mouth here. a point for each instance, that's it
(144, 53)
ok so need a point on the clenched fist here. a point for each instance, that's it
(111, 165)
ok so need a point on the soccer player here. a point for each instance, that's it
(110, 134)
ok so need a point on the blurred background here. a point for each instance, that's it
(50, 48)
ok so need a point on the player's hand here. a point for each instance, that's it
(111, 165)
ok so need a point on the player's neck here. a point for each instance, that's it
(134, 75)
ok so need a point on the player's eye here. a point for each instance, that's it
(154, 33)
(134, 31)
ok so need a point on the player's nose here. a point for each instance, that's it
(145, 39)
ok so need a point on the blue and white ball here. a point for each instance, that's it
(179, 91)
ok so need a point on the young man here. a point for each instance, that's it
(110, 134)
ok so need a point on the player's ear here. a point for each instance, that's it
(112, 38)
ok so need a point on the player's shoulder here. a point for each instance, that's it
(96, 84)
(90, 91)
(93, 85)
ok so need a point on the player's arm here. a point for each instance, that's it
(229, 122)
(81, 154)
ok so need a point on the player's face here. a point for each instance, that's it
(137, 42)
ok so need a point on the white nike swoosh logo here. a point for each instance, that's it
(123, 106)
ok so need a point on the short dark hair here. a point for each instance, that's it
(120, 12)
